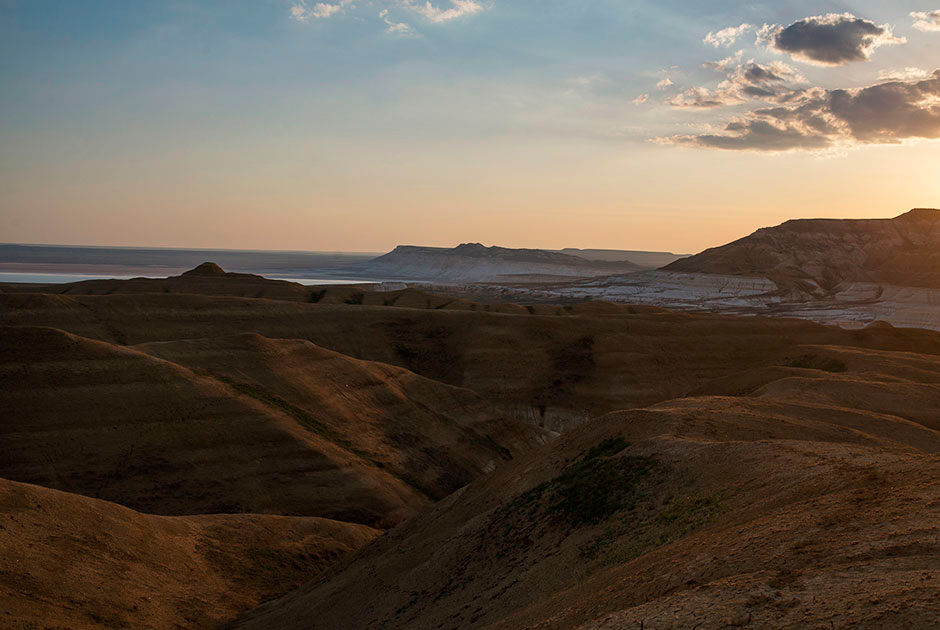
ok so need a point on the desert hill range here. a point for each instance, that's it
(219, 449)
(849, 272)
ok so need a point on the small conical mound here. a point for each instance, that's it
(206, 269)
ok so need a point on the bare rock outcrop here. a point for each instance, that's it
(813, 257)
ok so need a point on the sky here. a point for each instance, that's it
(358, 125)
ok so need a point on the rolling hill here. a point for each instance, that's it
(80, 563)
(773, 508)
(240, 424)
(543, 466)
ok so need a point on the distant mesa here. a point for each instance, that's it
(816, 257)
(474, 262)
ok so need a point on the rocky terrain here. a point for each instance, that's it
(772, 509)
(816, 257)
(769, 497)
(423, 461)
(848, 272)
(472, 262)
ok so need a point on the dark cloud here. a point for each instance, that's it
(742, 82)
(817, 119)
(833, 40)
(756, 73)
(758, 135)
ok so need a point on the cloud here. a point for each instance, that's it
(905, 74)
(396, 28)
(751, 80)
(665, 84)
(828, 40)
(301, 12)
(726, 63)
(885, 113)
(727, 36)
(460, 8)
(759, 135)
(702, 98)
(304, 11)
(926, 20)
(642, 98)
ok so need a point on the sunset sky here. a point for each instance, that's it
(357, 125)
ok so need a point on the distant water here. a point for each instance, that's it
(53, 278)
(64, 278)
(56, 264)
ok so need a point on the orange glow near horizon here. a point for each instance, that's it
(678, 200)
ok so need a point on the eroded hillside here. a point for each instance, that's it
(626, 465)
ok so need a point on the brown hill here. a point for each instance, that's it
(765, 459)
(217, 425)
(815, 256)
(558, 366)
(75, 562)
(206, 279)
(767, 510)
(115, 423)
(437, 437)
(211, 280)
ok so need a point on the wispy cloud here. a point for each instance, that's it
(884, 113)
(727, 36)
(665, 84)
(459, 9)
(726, 63)
(926, 20)
(396, 28)
(702, 98)
(302, 12)
(642, 98)
(905, 74)
(834, 39)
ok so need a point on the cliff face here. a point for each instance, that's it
(816, 256)
(473, 262)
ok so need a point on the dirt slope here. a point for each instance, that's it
(557, 366)
(436, 436)
(115, 423)
(774, 459)
(75, 562)
(815, 256)
(709, 512)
